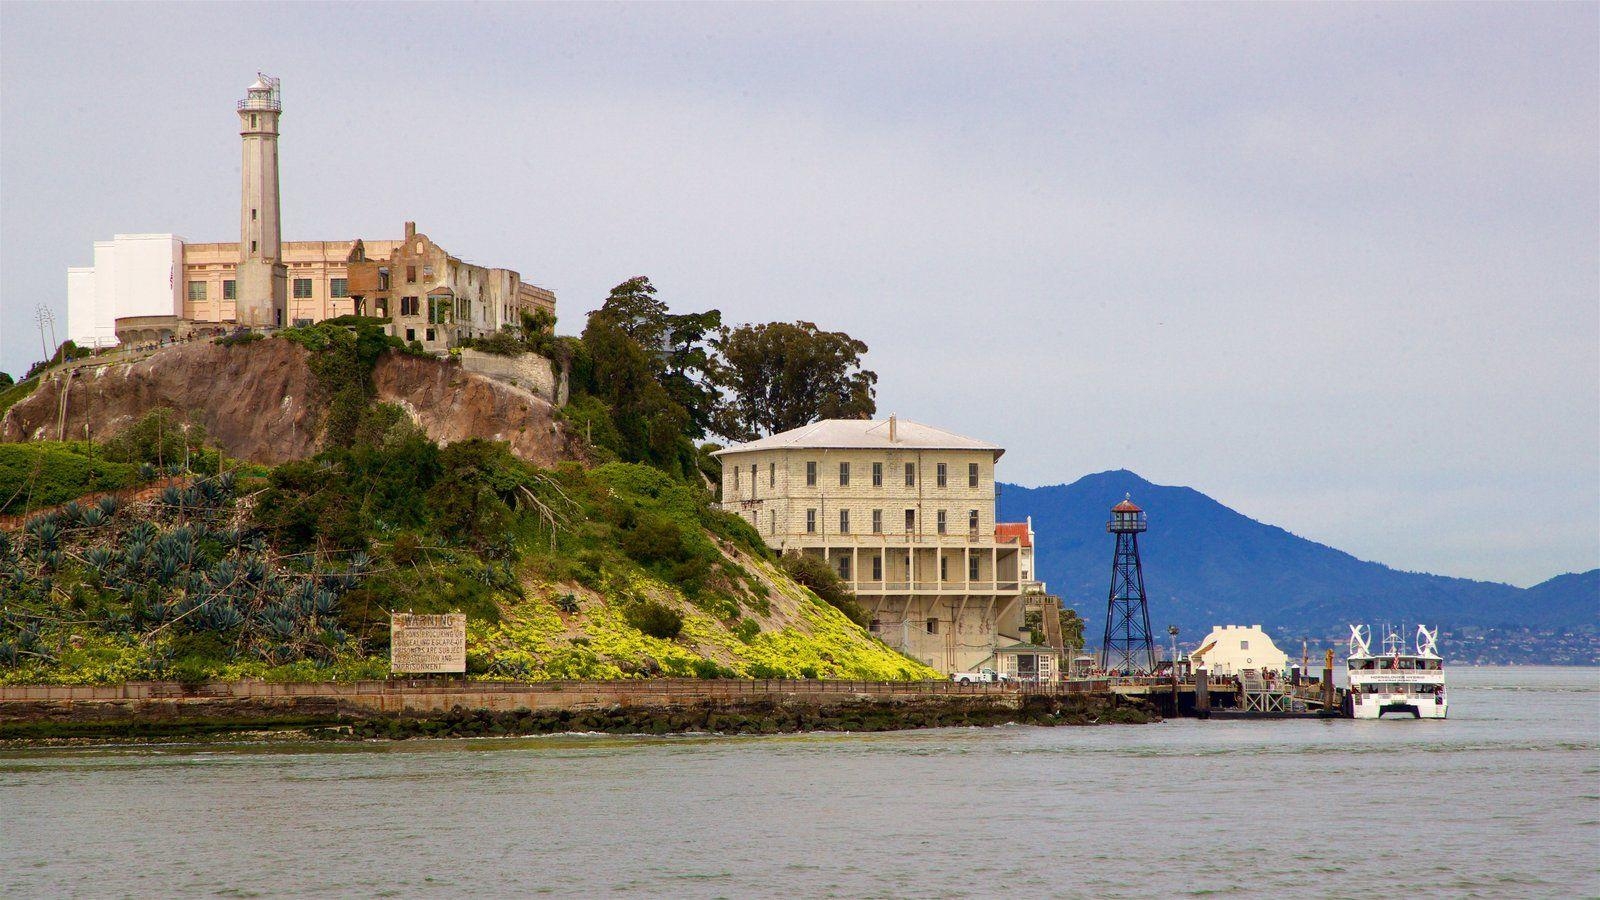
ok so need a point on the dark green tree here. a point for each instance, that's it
(469, 501)
(676, 346)
(650, 426)
(783, 375)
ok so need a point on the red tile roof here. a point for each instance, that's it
(1126, 506)
(1007, 532)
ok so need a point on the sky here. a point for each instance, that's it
(1337, 266)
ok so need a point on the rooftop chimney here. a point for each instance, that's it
(411, 230)
(893, 431)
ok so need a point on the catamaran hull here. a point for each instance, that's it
(1381, 706)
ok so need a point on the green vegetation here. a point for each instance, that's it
(783, 375)
(47, 473)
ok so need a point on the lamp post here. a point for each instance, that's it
(1173, 631)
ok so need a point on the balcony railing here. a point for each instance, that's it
(935, 587)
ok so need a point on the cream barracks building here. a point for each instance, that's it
(144, 287)
(905, 513)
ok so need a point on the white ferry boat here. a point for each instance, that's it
(1397, 680)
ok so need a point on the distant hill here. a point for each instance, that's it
(1205, 564)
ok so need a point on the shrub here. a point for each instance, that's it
(234, 340)
(500, 344)
(654, 540)
(655, 619)
(815, 573)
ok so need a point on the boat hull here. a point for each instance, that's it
(1385, 706)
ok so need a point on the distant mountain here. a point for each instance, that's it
(1205, 564)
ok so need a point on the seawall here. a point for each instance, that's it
(402, 708)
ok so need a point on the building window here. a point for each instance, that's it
(941, 519)
(972, 521)
(197, 290)
(383, 279)
(844, 474)
(911, 475)
(339, 287)
(736, 478)
(772, 521)
(252, 246)
(972, 474)
(302, 288)
(877, 568)
(409, 306)
(411, 335)
(844, 567)
(252, 215)
(972, 568)
(877, 474)
(772, 474)
(811, 474)
(411, 274)
(911, 520)
(430, 334)
(940, 476)
(877, 521)
(944, 567)
(844, 521)
(381, 306)
(752, 480)
(811, 521)
(229, 289)
(1244, 645)
(933, 626)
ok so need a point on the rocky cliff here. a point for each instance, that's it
(259, 401)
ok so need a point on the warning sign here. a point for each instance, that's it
(424, 644)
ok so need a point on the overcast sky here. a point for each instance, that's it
(1337, 266)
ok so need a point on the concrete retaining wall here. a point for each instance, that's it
(530, 371)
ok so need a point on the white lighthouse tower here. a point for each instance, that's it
(262, 279)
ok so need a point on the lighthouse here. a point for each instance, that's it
(1127, 647)
(262, 292)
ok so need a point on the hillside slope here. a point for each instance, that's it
(1206, 564)
(290, 574)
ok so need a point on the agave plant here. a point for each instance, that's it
(99, 557)
(109, 505)
(141, 532)
(91, 517)
(72, 514)
(45, 530)
(223, 573)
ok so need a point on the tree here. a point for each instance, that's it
(1071, 628)
(6, 380)
(651, 428)
(783, 375)
(676, 346)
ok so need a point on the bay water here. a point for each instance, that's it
(1501, 800)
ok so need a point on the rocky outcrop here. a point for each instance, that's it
(452, 405)
(259, 401)
(255, 400)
